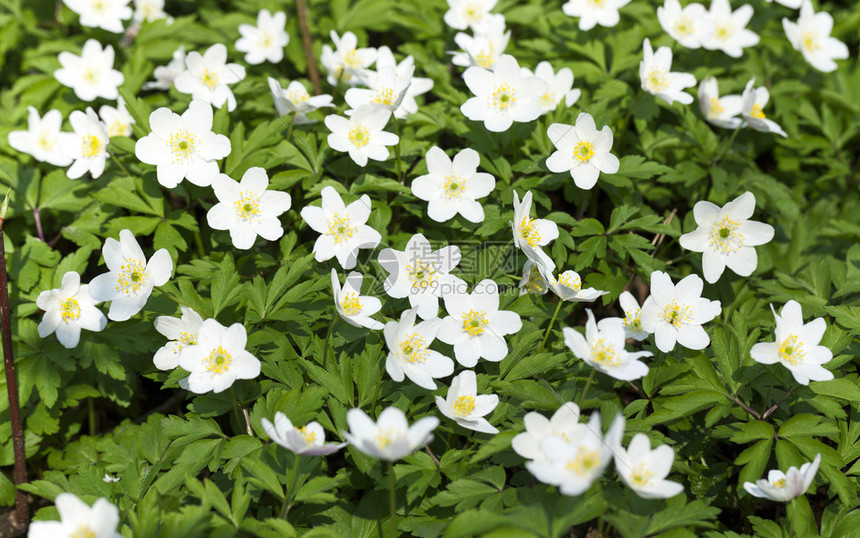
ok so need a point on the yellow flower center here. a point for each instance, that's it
(247, 207)
(583, 152)
(350, 305)
(464, 405)
(187, 339)
(535, 283)
(209, 78)
(684, 26)
(791, 350)
(634, 320)
(472, 12)
(298, 95)
(561, 435)
(715, 109)
(657, 80)
(597, 3)
(308, 436)
(503, 97)
(810, 41)
(529, 231)
(383, 96)
(474, 322)
(219, 361)
(266, 39)
(779, 483)
(84, 531)
(548, 100)
(422, 274)
(725, 236)
(340, 228)
(677, 314)
(453, 186)
(570, 280)
(70, 309)
(604, 354)
(45, 141)
(91, 145)
(724, 31)
(641, 476)
(91, 75)
(487, 57)
(183, 146)
(117, 128)
(131, 277)
(385, 437)
(352, 58)
(98, 6)
(584, 462)
(414, 349)
(359, 136)
(757, 112)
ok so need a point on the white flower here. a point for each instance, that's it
(486, 47)
(182, 332)
(78, 519)
(419, 272)
(568, 285)
(465, 406)
(386, 89)
(309, 440)
(150, 11)
(675, 313)
(183, 147)
(532, 281)
(730, 34)
(451, 187)
(475, 326)
(753, 102)
(88, 145)
(390, 438)
(207, 77)
(574, 465)
(43, 138)
(720, 111)
(602, 348)
(793, 4)
(346, 64)
(564, 424)
(502, 96)
(690, 26)
(218, 358)
(462, 14)
(582, 150)
(594, 12)
(725, 236)
(796, 346)
(783, 487)
(68, 309)
(532, 234)
(811, 36)
(247, 209)
(418, 85)
(409, 351)
(107, 478)
(166, 74)
(117, 120)
(105, 14)
(632, 321)
(131, 278)
(645, 470)
(658, 79)
(296, 100)
(266, 41)
(361, 135)
(343, 228)
(559, 86)
(353, 307)
(91, 74)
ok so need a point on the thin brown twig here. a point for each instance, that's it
(313, 74)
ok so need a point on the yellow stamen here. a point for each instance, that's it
(583, 152)
(474, 322)
(464, 405)
(247, 207)
(503, 97)
(91, 146)
(350, 305)
(359, 136)
(791, 350)
(340, 228)
(677, 314)
(70, 309)
(183, 146)
(219, 361)
(584, 462)
(131, 277)
(725, 236)
(414, 349)
(209, 78)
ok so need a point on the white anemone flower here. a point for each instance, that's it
(346, 64)
(219, 358)
(88, 145)
(690, 26)
(725, 236)
(676, 312)
(632, 321)
(343, 229)
(130, 277)
(720, 111)
(503, 95)
(452, 186)
(783, 487)
(68, 309)
(105, 14)
(91, 74)
(475, 326)
(247, 209)
(117, 120)
(150, 11)
(465, 406)
(309, 440)
(296, 100)
(532, 281)
(811, 36)
(353, 307)
(594, 12)
(419, 273)
(568, 285)
(417, 86)
(563, 424)
(409, 352)
(391, 437)
(79, 519)
(645, 470)
(183, 147)
(530, 234)
(793, 4)
(464, 14)
(386, 88)
(730, 33)
(582, 150)
(166, 74)
(208, 77)
(796, 346)
(266, 41)
(574, 465)
(602, 348)
(43, 139)
(361, 135)
(484, 48)
(182, 332)
(659, 80)
(753, 102)
(559, 86)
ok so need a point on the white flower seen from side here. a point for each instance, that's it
(43, 139)
(720, 111)
(568, 285)
(753, 102)
(391, 437)
(811, 36)
(464, 14)
(77, 519)
(676, 312)
(690, 25)
(559, 86)
(409, 352)
(353, 307)
(632, 320)
(266, 41)
(166, 74)
(582, 150)
(361, 135)
(532, 281)
(385, 89)
(208, 77)
(343, 229)
(182, 332)
(219, 358)
(783, 487)
(563, 424)
(730, 33)
(105, 14)
(346, 64)
(88, 145)
(465, 406)
(417, 86)
(658, 79)
(150, 11)
(309, 440)
(502, 96)
(602, 348)
(485, 47)
(91, 74)
(68, 309)
(452, 186)
(594, 12)
(296, 100)
(530, 234)
(645, 470)
(117, 120)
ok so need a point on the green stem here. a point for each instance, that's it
(769, 389)
(397, 147)
(290, 493)
(551, 322)
(626, 122)
(291, 126)
(198, 242)
(236, 409)
(376, 394)
(325, 345)
(585, 390)
(117, 161)
(728, 146)
(392, 499)
(791, 518)
(499, 258)
(91, 412)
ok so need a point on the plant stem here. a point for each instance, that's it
(325, 345)
(117, 161)
(392, 499)
(292, 491)
(397, 147)
(769, 389)
(91, 415)
(236, 409)
(728, 146)
(495, 265)
(22, 516)
(792, 516)
(551, 322)
(626, 122)
(39, 230)
(376, 394)
(585, 390)
(313, 74)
